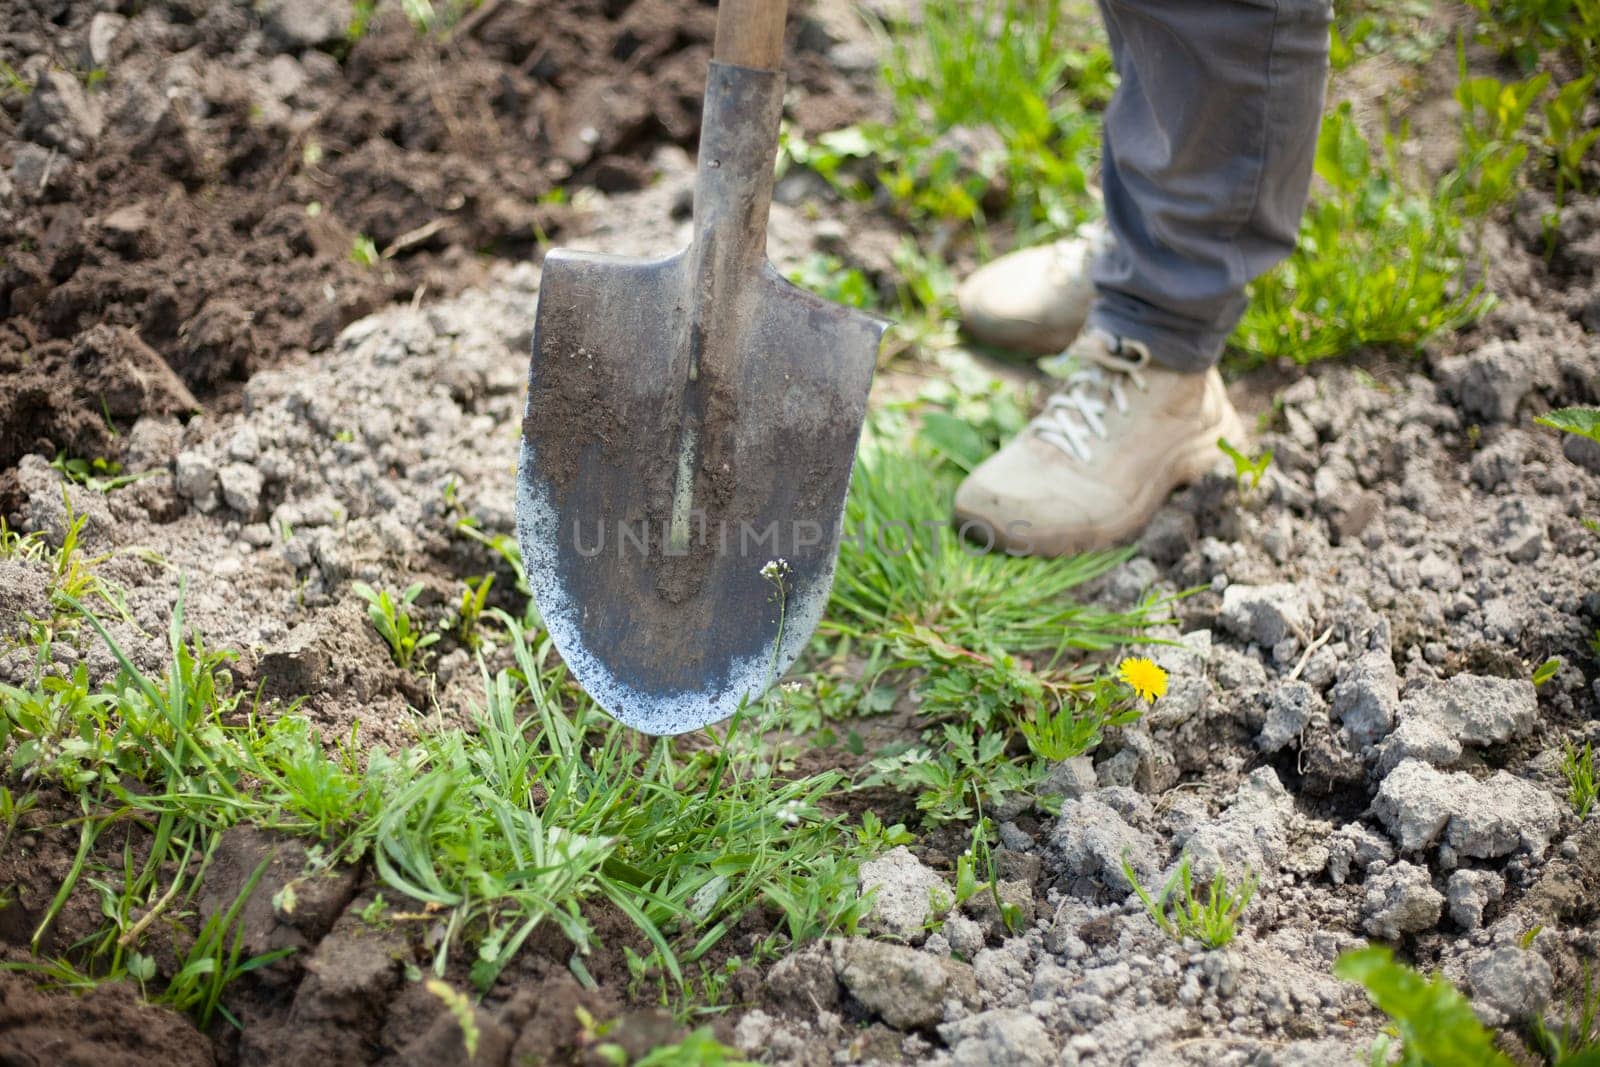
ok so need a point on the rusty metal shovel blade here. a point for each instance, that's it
(690, 430)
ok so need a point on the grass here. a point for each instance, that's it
(545, 808)
(1004, 66)
(989, 645)
(1378, 263)
(1577, 767)
(994, 122)
(1575, 1033)
(1211, 918)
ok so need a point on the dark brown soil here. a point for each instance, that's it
(196, 196)
(107, 1027)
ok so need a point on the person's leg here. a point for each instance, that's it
(1209, 145)
(1210, 140)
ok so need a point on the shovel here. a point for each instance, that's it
(690, 430)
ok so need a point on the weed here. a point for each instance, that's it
(501, 544)
(1585, 422)
(1493, 117)
(1000, 65)
(215, 960)
(700, 1048)
(1565, 138)
(1546, 670)
(1526, 28)
(830, 156)
(1070, 730)
(363, 251)
(873, 836)
(1578, 1033)
(901, 566)
(99, 475)
(464, 624)
(13, 82)
(828, 277)
(808, 705)
(361, 12)
(1393, 28)
(1377, 263)
(13, 808)
(982, 634)
(1180, 914)
(495, 832)
(925, 291)
(1436, 1024)
(1247, 472)
(968, 416)
(461, 1009)
(1583, 789)
(407, 640)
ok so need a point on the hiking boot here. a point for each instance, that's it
(1035, 300)
(1101, 457)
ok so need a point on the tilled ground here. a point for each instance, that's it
(1350, 714)
(183, 185)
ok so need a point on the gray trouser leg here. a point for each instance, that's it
(1209, 144)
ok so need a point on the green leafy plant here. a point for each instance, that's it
(390, 617)
(1377, 263)
(1565, 138)
(1395, 29)
(1574, 1038)
(1180, 914)
(1494, 115)
(1525, 29)
(459, 1005)
(1546, 670)
(1247, 472)
(1072, 728)
(216, 960)
(874, 836)
(827, 276)
(469, 612)
(12, 82)
(981, 636)
(699, 1048)
(99, 475)
(1001, 66)
(543, 806)
(364, 252)
(1585, 422)
(1577, 766)
(1437, 1026)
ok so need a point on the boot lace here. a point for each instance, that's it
(1075, 415)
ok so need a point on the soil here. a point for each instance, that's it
(202, 196)
(171, 302)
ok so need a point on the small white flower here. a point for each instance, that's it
(789, 813)
(775, 568)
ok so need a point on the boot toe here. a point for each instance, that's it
(1033, 301)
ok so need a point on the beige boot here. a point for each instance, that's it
(1034, 300)
(1092, 468)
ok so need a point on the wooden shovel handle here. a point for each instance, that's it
(750, 33)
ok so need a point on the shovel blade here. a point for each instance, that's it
(680, 496)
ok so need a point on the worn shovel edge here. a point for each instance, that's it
(538, 526)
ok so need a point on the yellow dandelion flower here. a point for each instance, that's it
(1144, 677)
